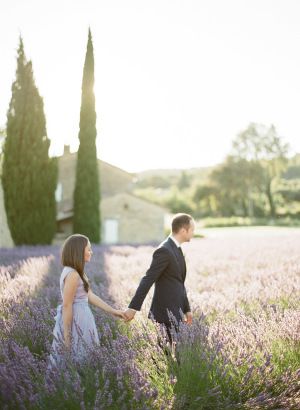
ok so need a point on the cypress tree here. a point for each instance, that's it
(28, 174)
(87, 188)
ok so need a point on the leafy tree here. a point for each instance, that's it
(178, 202)
(235, 182)
(28, 176)
(87, 188)
(293, 168)
(292, 172)
(205, 199)
(184, 181)
(262, 146)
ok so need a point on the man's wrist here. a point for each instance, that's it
(135, 309)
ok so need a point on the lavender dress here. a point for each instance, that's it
(84, 331)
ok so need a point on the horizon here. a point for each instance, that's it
(161, 168)
(141, 171)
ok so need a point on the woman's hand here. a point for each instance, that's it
(119, 314)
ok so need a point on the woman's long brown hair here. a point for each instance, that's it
(72, 255)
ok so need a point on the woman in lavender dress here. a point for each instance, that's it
(75, 329)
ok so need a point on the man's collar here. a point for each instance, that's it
(175, 241)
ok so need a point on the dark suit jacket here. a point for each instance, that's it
(168, 272)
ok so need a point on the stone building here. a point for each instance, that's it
(129, 219)
(125, 218)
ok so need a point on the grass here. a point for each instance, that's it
(238, 221)
(285, 355)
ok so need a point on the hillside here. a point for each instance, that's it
(173, 173)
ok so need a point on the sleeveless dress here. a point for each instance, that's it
(84, 331)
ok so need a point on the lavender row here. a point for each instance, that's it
(110, 378)
(242, 350)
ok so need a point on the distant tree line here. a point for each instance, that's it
(256, 180)
(29, 175)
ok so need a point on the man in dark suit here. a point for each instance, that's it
(167, 271)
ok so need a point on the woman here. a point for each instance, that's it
(75, 329)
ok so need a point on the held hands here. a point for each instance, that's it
(126, 316)
(119, 314)
(129, 314)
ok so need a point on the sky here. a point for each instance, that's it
(175, 81)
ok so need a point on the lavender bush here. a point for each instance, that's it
(241, 352)
(110, 378)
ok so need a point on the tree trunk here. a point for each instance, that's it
(245, 208)
(270, 199)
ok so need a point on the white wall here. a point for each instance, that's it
(5, 237)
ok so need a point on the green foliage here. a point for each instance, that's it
(236, 181)
(178, 203)
(266, 149)
(292, 172)
(246, 183)
(168, 179)
(255, 184)
(28, 176)
(184, 180)
(150, 360)
(87, 188)
(290, 190)
(285, 354)
(156, 181)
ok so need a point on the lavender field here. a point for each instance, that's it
(241, 352)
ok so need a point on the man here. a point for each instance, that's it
(167, 271)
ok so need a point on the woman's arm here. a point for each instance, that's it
(96, 301)
(70, 287)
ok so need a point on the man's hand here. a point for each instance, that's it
(189, 318)
(129, 314)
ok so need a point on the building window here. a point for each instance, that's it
(111, 231)
(58, 192)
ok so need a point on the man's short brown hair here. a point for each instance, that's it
(181, 221)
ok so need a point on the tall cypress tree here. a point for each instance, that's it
(87, 189)
(28, 175)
